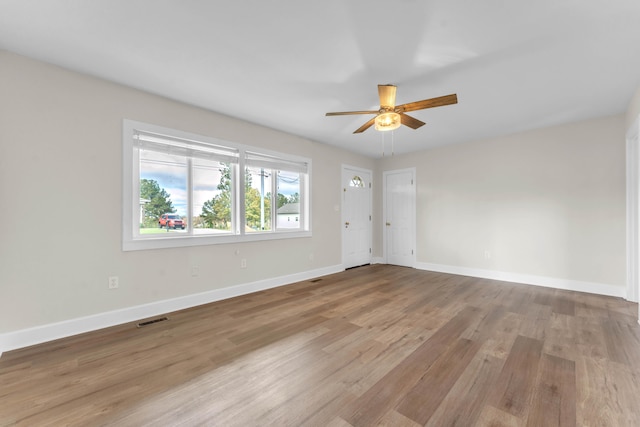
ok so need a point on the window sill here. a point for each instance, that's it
(187, 241)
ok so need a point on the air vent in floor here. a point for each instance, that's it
(151, 322)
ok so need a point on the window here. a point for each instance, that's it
(272, 181)
(183, 190)
(356, 181)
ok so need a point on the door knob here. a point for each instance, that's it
(388, 224)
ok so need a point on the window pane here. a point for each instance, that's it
(163, 190)
(211, 197)
(257, 197)
(288, 214)
(356, 181)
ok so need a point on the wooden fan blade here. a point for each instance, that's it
(429, 103)
(387, 94)
(365, 126)
(410, 121)
(346, 113)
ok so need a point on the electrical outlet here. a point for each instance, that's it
(487, 254)
(195, 271)
(113, 282)
(243, 263)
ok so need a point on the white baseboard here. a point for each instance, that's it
(527, 279)
(39, 334)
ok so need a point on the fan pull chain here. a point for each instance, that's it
(392, 132)
(382, 139)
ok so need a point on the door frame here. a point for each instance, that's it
(356, 169)
(413, 212)
(633, 212)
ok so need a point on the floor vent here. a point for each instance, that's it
(315, 280)
(151, 322)
(357, 266)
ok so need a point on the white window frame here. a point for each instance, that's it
(132, 239)
(273, 162)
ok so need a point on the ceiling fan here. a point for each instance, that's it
(390, 116)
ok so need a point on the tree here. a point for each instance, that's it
(216, 212)
(282, 200)
(253, 202)
(159, 201)
(208, 214)
(294, 198)
(252, 209)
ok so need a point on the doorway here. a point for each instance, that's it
(356, 216)
(399, 201)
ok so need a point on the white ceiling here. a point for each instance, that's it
(514, 64)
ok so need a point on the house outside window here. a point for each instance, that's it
(288, 215)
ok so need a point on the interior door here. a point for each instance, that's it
(356, 217)
(399, 217)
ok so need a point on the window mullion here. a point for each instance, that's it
(302, 194)
(189, 195)
(263, 203)
(274, 200)
(239, 194)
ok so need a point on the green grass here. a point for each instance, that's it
(157, 230)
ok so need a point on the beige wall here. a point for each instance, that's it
(60, 190)
(547, 203)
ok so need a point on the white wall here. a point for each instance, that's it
(60, 190)
(548, 206)
(634, 109)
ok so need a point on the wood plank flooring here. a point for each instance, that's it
(373, 346)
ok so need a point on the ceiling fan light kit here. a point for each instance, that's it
(391, 116)
(388, 121)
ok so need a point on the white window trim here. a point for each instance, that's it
(131, 196)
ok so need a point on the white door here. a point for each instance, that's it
(356, 217)
(399, 217)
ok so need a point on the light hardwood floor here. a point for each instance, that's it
(376, 345)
